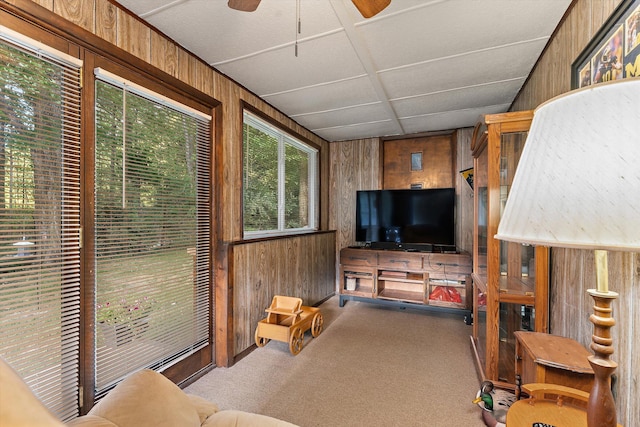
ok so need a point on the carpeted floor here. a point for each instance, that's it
(371, 366)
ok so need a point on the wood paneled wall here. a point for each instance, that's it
(118, 27)
(302, 266)
(355, 165)
(573, 271)
(437, 155)
(464, 193)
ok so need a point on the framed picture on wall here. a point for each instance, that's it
(416, 161)
(614, 52)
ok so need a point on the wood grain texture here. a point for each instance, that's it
(134, 36)
(301, 266)
(437, 165)
(164, 54)
(355, 165)
(79, 11)
(106, 21)
(464, 193)
(44, 3)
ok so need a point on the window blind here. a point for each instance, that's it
(40, 219)
(153, 234)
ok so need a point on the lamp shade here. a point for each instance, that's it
(577, 184)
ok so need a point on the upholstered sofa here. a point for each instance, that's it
(145, 398)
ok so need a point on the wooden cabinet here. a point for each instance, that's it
(420, 278)
(544, 358)
(510, 280)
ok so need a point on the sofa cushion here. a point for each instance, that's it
(147, 398)
(18, 405)
(233, 418)
(204, 408)
(90, 421)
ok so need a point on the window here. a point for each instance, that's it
(152, 230)
(280, 184)
(40, 219)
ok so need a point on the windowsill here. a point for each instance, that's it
(267, 237)
(270, 234)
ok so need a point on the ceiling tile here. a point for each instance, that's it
(364, 130)
(477, 68)
(338, 94)
(458, 99)
(450, 119)
(344, 117)
(444, 28)
(321, 60)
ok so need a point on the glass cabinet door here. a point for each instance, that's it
(517, 261)
(481, 199)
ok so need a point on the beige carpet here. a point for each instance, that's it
(371, 366)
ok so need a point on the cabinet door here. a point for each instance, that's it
(516, 261)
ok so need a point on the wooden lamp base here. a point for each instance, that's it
(601, 408)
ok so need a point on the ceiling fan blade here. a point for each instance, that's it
(369, 8)
(244, 5)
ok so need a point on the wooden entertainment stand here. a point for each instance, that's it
(406, 278)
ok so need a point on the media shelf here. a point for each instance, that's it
(439, 280)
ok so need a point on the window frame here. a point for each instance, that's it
(150, 82)
(285, 136)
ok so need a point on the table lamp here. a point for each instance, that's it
(577, 185)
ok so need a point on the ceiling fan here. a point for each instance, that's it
(367, 8)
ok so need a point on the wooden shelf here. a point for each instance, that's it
(399, 279)
(406, 276)
(401, 295)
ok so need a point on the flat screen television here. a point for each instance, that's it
(407, 219)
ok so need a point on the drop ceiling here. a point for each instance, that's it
(418, 66)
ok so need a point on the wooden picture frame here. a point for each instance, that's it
(614, 52)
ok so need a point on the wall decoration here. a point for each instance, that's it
(416, 161)
(467, 175)
(614, 52)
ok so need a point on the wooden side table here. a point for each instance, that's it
(545, 358)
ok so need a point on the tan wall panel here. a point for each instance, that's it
(78, 11)
(106, 21)
(44, 3)
(133, 36)
(164, 54)
(464, 193)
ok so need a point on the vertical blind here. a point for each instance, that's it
(152, 216)
(40, 220)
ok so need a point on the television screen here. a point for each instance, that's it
(406, 217)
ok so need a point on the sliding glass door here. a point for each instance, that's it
(152, 237)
